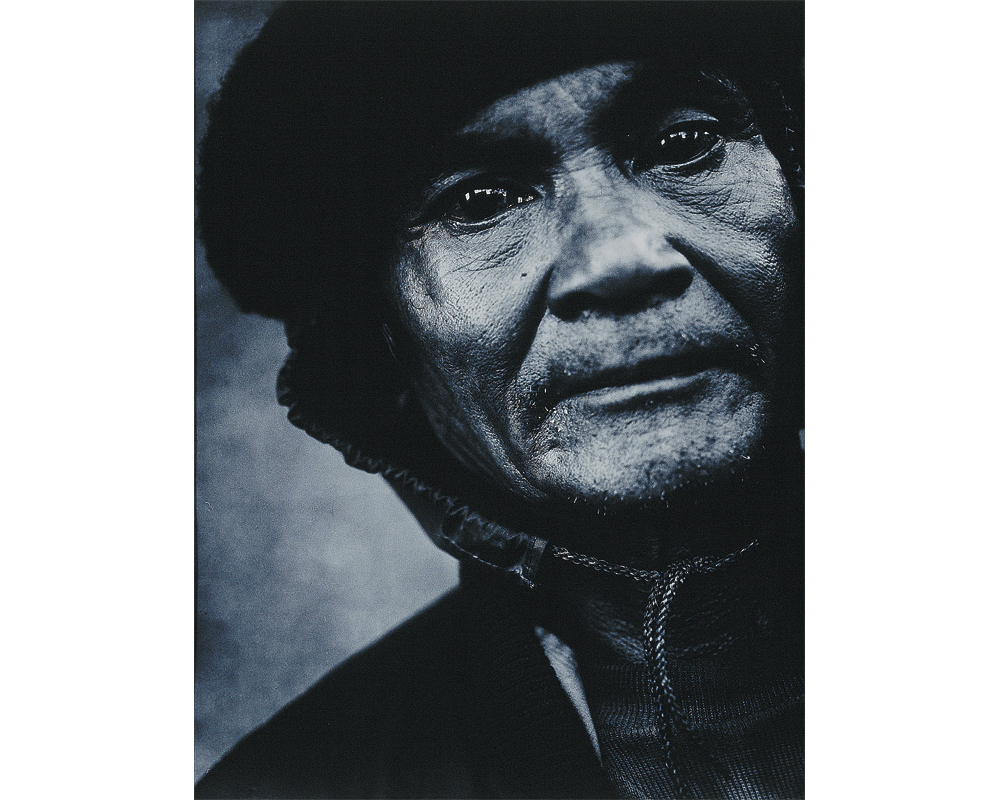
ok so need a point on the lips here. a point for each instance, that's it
(663, 371)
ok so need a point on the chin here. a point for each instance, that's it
(644, 473)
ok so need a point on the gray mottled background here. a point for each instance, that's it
(301, 560)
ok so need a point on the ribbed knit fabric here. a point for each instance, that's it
(749, 732)
(733, 669)
(624, 713)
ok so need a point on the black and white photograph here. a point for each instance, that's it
(530, 276)
(420, 412)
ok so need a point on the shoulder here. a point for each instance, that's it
(386, 723)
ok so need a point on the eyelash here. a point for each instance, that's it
(679, 145)
(457, 205)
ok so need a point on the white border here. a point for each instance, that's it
(901, 350)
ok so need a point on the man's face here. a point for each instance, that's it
(593, 292)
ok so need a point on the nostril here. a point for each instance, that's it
(617, 271)
(570, 305)
(620, 292)
(671, 283)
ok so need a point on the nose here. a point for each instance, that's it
(614, 262)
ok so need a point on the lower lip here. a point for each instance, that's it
(638, 395)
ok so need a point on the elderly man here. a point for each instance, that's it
(540, 267)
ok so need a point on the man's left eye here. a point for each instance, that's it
(679, 145)
(480, 204)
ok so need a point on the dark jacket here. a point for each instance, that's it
(460, 702)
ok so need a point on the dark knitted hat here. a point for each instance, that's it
(312, 135)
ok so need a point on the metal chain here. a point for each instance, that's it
(604, 566)
(648, 575)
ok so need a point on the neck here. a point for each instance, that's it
(601, 614)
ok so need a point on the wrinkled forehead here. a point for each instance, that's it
(595, 93)
(534, 125)
(580, 93)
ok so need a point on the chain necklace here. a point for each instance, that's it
(604, 566)
(642, 575)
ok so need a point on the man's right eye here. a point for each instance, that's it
(472, 204)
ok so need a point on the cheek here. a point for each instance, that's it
(743, 228)
(430, 336)
(469, 307)
(763, 279)
(461, 332)
(463, 329)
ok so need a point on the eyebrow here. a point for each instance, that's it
(515, 150)
(641, 102)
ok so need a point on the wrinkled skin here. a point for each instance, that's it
(610, 334)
